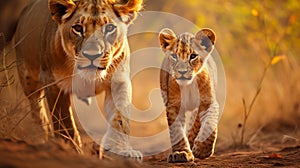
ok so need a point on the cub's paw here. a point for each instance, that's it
(200, 151)
(181, 156)
(134, 154)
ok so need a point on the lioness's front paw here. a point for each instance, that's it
(181, 156)
(134, 154)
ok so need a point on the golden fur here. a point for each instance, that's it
(81, 42)
(186, 85)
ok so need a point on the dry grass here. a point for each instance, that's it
(16, 122)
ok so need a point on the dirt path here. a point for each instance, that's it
(57, 154)
(287, 157)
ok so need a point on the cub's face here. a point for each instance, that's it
(93, 32)
(186, 53)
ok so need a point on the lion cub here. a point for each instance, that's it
(187, 85)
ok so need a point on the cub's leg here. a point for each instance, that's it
(62, 117)
(204, 149)
(181, 151)
(208, 116)
(193, 127)
(204, 143)
(116, 139)
(201, 149)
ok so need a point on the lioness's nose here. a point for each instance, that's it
(91, 55)
(92, 51)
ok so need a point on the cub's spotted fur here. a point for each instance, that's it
(187, 85)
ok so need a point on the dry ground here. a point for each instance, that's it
(54, 153)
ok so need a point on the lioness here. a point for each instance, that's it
(83, 39)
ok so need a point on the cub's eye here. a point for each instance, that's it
(78, 29)
(193, 56)
(174, 56)
(110, 28)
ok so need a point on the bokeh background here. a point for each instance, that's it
(249, 35)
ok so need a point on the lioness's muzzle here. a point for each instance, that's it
(93, 52)
(92, 56)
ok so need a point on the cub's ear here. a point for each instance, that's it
(207, 38)
(61, 9)
(166, 37)
(127, 9)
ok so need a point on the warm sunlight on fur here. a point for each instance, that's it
(187, 85)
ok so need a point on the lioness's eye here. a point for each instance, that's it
(193, 56)
(78, 29)
(109, 28)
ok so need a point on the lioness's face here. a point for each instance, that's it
(186, 53)
(93, 32)
(93, 40)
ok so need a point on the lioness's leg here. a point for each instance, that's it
(30, 85)
(39, 114)
(116, 139)
(62, 117)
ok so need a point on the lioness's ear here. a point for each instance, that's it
(207, 38)
(61, 9)
(127, 9)
(166, 37)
